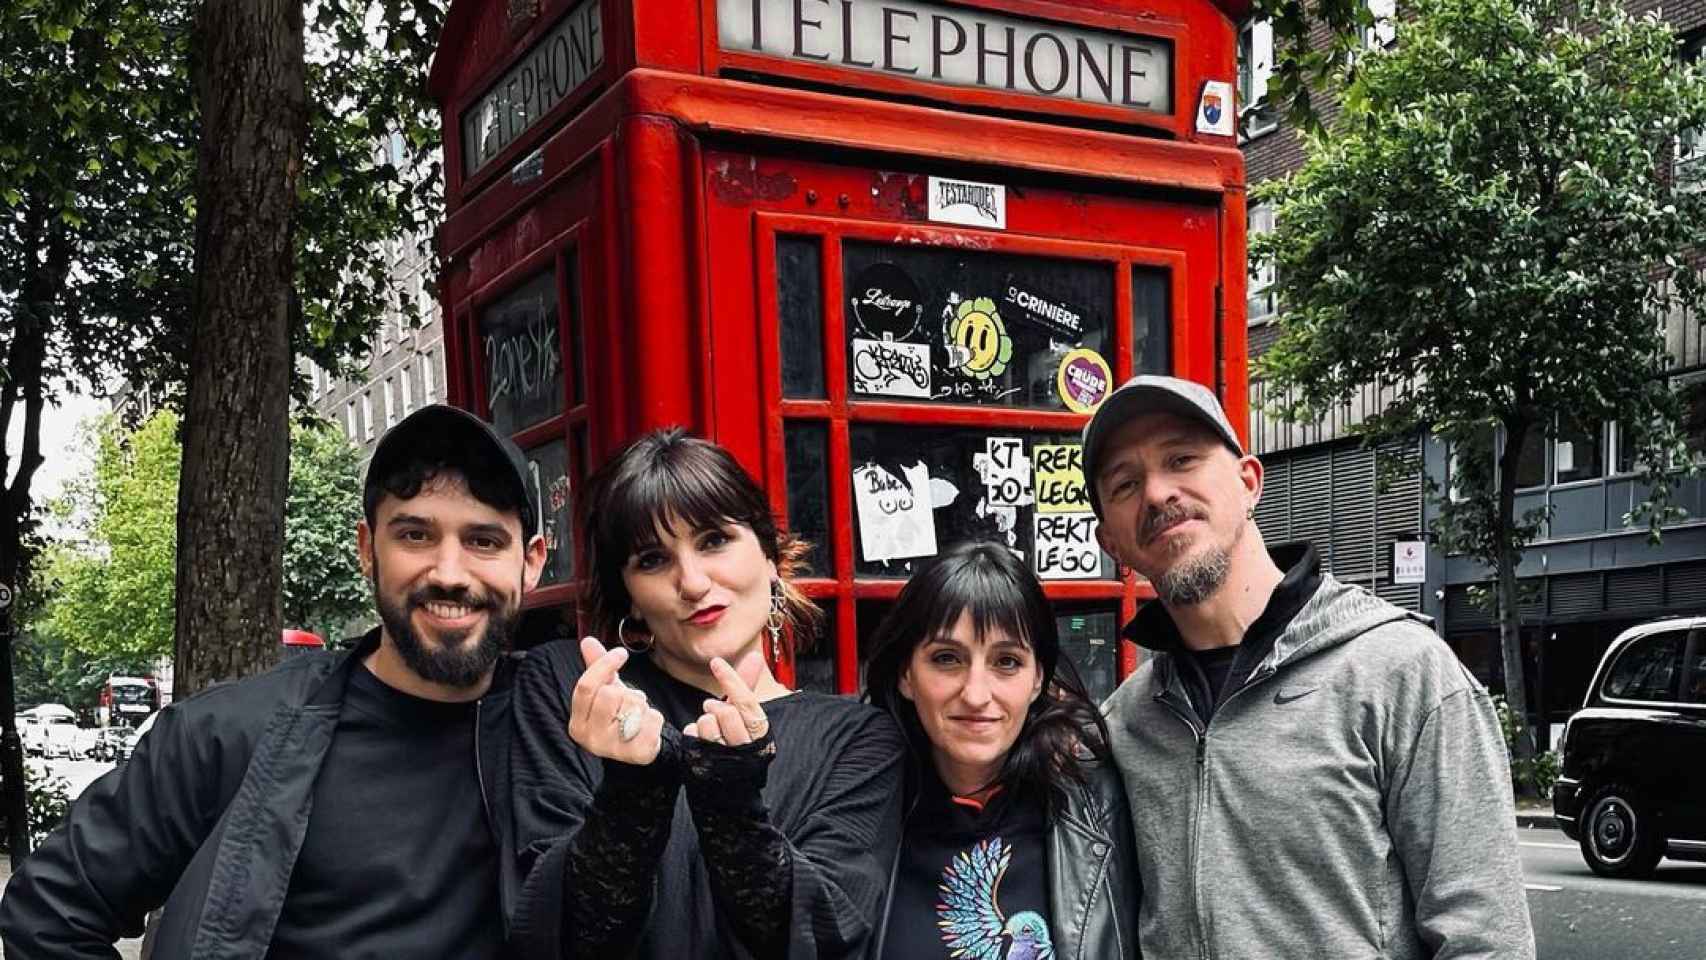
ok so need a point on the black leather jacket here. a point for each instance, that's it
(1094, 889)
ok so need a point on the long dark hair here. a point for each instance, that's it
(668, 475)
(1000, 593)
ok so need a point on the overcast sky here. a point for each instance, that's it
(58, 444)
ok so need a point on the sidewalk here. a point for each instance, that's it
(127, 949)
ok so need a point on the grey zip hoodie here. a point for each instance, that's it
(1351, 799)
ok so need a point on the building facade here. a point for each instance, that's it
(1589, 575)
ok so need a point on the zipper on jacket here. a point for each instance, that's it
(1201, 735)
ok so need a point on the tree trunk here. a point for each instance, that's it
(250, 80)
(1510, 620)
(22, 381)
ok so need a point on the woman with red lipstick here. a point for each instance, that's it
(672, 797)
(1017, 843)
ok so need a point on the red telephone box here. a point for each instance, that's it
(889, 252)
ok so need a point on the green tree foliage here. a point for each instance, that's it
(97, 200)
(323, 587)
(115, 596)
(1490, 235)
(114, 593)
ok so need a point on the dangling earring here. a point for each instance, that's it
(778, 618)
(622, 635)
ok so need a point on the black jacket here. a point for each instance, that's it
(1094, 889)
(212, 809)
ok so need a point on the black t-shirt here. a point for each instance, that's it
(972, 878)
(399, 860)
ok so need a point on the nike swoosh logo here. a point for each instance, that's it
(1280, 699)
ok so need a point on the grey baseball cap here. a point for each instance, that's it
(454, 436)
(1150, 393)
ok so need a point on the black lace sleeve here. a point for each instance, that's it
(610, 875)
(749, 861)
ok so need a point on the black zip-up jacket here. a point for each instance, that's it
(212, 810)
(1094, 889)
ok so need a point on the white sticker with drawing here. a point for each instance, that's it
(895, 520)
(1005, 471)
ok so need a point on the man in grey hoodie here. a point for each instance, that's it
(1312, 772)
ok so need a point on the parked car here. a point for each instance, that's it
(31, 734)
(1633, 784)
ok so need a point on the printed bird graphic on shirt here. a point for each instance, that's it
(972, 923)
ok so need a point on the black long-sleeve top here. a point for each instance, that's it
(781, 848)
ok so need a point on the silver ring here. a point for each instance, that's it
(628, 724)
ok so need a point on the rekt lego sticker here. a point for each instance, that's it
(978, 344)
(886, 302)
(1215, 113)
(1084, 380)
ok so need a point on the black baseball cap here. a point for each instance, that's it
(1150, 393)
(456, 437)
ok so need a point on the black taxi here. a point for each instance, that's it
(1633, 784)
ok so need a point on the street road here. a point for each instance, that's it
(1579, 916)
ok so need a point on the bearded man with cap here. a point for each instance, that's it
(350, 805)
(1312, 772)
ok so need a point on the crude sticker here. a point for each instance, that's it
(1083, 381)
(895, 521)
(891, 368)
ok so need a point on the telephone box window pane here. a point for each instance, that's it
(548, 485)
(799, 308)
(524, 361)
(918, 490)
(814, 666)
(1151, 321)
(806, 446)
(1090, 636)
(970, 327)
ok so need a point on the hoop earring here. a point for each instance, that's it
(777, 620)
(622, 635)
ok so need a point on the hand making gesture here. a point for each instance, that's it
(737, 719)
(609, 719)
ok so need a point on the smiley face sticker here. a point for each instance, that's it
(978, 344)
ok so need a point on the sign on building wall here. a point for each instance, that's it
(1410, 561)
(957, 46)
(552, 69)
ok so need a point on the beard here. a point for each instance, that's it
(451, 661)
(1190, 580)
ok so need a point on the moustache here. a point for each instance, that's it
(461, 596)
(1160, 518)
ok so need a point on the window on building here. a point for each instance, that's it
(390, 402)
(384, 334)
(1260, 304)
(313, 380)
(1689, 167)
(1383, 32)
(1470, 468)
(1647, 669)
(1578, 451)
(408, 390)
(1692, 388)
(428, 388)
(1255, 68)
(1531, 462)
(349, 419)
(367, 414)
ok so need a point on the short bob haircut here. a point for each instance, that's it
(1062, 726)
(668, 476)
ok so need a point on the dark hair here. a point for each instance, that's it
(668, 475)
(1000, 593)
(490, 482)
